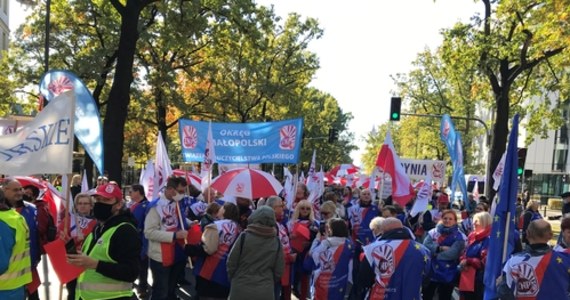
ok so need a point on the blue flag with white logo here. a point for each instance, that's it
(502, 242)
(87, 119)
(452, 140)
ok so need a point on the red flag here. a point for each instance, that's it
(194, 235)
(388, 160)
(467, 280)
(56, 252)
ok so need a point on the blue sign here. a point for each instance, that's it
(267, 142)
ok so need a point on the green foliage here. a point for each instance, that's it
(213, 60)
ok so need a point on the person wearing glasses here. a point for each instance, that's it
(302, 222)
(79, 225)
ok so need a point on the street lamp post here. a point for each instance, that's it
(46, 44)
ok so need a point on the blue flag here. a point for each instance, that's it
(502, 242)
(87, 126)
(452, 140)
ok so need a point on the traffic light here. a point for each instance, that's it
(395, 106)
(521, 153)
(333, 135)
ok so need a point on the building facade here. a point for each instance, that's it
(4, 22)
(548, 160)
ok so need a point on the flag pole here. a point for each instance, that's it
(506, 239)
(67, 188)
(381, 190)
(181, 220)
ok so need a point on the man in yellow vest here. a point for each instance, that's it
(110, 253)
(15, 263)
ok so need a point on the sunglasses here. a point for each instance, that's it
(304, 208)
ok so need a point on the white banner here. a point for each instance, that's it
(44, 145)
(8, 126)
(421, 169)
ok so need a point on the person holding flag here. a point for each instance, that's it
(538, 272)
(165, 234)
(331, 262)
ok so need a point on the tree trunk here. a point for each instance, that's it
(161, 116)
(500, 133)
(119, 95)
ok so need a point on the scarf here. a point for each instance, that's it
(476, 236)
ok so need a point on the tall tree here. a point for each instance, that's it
(523, 52)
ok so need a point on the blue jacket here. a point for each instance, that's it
(29, 212)
(7, 243)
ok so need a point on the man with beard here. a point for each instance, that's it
(110, 252)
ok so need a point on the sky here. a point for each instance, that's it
(364, 42)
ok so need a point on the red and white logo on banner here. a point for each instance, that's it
(287, 136)
(189, 137)
(60, 85)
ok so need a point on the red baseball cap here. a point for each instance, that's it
(110, 191)
(443, 198)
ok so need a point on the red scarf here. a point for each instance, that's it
(478, 235)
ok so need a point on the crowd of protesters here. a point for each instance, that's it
(347, 244)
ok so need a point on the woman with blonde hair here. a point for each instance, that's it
(302, 223)
(531, 213)
(475, 255)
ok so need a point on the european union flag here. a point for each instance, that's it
(502, 242)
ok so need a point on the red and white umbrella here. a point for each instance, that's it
(191, 178)
(344, 169)
(48, 193)
(247, 183)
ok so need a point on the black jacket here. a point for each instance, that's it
(124, 249)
